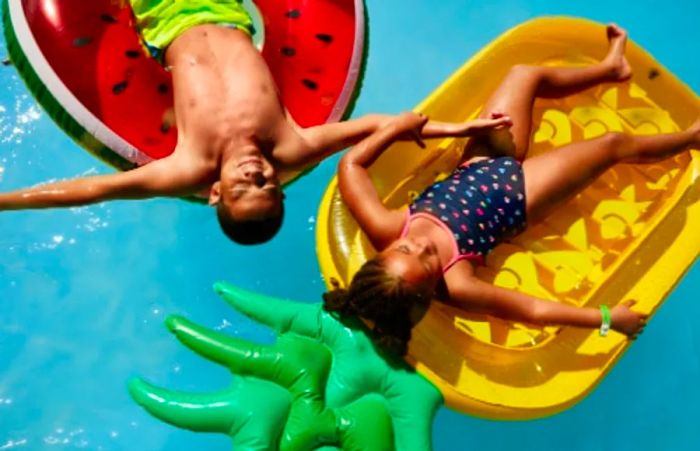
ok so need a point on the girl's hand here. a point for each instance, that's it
(409, 125)
(496, 121)
(626, 321)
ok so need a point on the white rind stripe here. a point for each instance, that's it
(62, 94)
(355, 65)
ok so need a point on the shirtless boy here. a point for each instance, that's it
(235, 137)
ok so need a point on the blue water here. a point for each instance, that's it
(83, 292)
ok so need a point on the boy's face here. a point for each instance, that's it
(248, 189)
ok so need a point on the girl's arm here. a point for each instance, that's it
(158, 178)
(379, 223)
(477, 296)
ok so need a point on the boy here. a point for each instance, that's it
(235, 138)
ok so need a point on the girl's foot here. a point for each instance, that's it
(620, 69)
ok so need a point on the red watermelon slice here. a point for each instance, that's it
(85, 64)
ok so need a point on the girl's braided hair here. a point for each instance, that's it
(382, 298)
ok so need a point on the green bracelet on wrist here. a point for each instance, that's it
(607, 320)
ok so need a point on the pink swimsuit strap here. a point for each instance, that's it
(456, 256)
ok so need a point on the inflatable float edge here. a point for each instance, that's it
(50, 104)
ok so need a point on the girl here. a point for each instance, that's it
(431, 250)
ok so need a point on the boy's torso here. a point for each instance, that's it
(226, 99)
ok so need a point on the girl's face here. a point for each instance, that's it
(415, 260)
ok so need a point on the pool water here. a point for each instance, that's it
(84, 291)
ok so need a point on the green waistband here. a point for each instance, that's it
(161, 21)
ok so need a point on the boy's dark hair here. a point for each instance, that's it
(382, 298)
(254, 231)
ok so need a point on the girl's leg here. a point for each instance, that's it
(516, 94)
(556, 176)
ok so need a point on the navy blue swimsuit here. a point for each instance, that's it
(480, 204)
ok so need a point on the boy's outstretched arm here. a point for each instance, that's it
(435, 129)
(159, 178)
(323, 141)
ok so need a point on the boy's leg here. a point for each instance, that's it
(556, 176)
(516, 94)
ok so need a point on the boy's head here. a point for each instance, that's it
(248, 200)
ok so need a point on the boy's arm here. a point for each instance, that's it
(157, 178)
(434, 129)
(477, 296)
(323, 141)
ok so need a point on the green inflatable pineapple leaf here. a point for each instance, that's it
(322, 385)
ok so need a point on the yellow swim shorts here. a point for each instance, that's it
(161, 21)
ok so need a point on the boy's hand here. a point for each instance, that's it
(626, 321)
(496, 121)
(409, 125)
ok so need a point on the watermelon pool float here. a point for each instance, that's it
(84, 62)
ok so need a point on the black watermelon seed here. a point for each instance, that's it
(293, 14)
(82, 41)
(288, 51)
(163, 88)
(165, 127)
(132, 53)
(653, 73)
(310, 84)
(120, 87)
(108, 18)
(324, 37)
(150, 141)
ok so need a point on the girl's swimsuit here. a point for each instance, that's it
(161, 21)
(479, 204)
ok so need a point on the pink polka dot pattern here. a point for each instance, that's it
(482, 204)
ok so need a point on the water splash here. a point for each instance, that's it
(14, 126)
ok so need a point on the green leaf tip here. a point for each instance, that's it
(173, 322)
(219, 288)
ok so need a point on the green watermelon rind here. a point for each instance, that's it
(49, 103)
